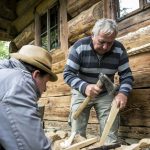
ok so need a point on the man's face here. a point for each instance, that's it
(103, 42)
(41, 80)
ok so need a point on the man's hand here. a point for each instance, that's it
(121, 100)
(92, 90)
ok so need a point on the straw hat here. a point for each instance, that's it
(37, 57)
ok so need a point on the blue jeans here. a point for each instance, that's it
(102, 107)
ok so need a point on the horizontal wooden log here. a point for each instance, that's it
(133, 23)
(140, 130)
(138, 109)
(139, 64)
(75, 7)
(136, 39)
(58, 108)
(58, 55)
(4, 36)
(134, 135)
(26, 36)
(23, 5)
(91, 128)
(59, 66)
(85, 20)
(58, 88)
(26, 18)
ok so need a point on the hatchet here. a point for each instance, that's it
(103, 80)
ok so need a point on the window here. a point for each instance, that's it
(50, 29)
(126, 8)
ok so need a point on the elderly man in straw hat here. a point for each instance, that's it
(23, 78)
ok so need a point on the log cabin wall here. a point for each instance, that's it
(133, 33)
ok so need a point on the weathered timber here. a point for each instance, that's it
(63, 26)
(134, 135)
(7, 10)
(134, 132)
(138, 109)
(26, 18)
(37, 35)
(57, 88)
(136, 64)
(136, 39)
(4, 24)
(75, 7)
(59, 66)
(58, 55)
(140, 17)
(4, 36)
(85, 20)
(140, 69)
(26, 36)
(58, 108)
(23, 5)
(44, 6)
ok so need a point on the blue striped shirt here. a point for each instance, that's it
(84, 65)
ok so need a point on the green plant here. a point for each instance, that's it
(4, 50)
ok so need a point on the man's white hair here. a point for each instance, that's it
(107, 26)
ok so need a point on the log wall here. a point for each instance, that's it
(82, 16)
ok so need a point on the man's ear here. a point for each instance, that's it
(35, 74)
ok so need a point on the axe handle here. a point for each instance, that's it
(84, 103)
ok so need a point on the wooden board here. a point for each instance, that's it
(75, 7)
(85, 20)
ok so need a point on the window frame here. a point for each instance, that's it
(48, 27)
(143, 6)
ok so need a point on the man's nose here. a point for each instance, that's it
(105, 46)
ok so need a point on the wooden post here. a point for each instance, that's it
(63, 26)
(37, 29)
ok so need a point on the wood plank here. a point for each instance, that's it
(23, 5)
(26, 36)
(44, 6)
(75, 7)
(136, 64)
(59, 66)
(37, 35)
(140, 17)
(138, 109)
(58, 55)
(4, 36)
(136, 38)
(85, 20)
(63, 26)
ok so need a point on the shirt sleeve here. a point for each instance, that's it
(124, 71)
(72, 68)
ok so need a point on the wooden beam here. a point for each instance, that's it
(83, 144)
(37, 36)
(26, 36)
(44, 5)
(75, 7)
(23, 6)
(84, 21)
(4, 36)
(63, 26)
(7, 9)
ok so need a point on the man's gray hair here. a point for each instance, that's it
(107, 26)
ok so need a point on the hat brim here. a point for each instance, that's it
(33, 62)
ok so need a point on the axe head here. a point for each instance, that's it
(110, 87)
